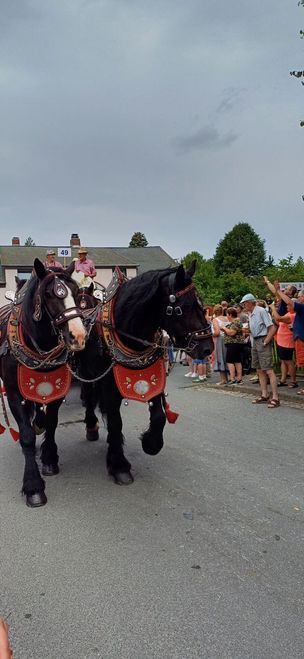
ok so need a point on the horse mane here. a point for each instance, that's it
(136, 293)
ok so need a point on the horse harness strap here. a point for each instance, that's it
(24, 355)
(120, 353)
(174, 295)
(5, 313)
(117, 279)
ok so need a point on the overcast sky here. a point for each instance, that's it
(176, 118)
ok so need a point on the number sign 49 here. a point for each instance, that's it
(64, 251)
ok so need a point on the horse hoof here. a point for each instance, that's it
(36, 500)
(37, 430)
(123, 478)
(150, 448)
(49, 470)
(92, 434)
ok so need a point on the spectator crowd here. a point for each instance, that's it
(253, 335)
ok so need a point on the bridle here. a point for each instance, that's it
(37, 358)
(173, 308)
(85, 300)
(60, 290)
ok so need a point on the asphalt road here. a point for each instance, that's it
(201, 557)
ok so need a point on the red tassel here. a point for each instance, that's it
(171, 416)
(15, 434)
(2, 429)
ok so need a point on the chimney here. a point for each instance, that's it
(75, 240)
(15, 241)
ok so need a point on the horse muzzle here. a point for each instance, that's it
(77, 344)
(200, 343)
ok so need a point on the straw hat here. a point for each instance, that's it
(50, 252)
(82, 250)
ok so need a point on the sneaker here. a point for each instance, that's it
(202, 378)
(231, 382)
(188, 375)
(194, 375)
(238, 382)
(195, 379)
(254, 380)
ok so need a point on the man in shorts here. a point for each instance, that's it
(262, 331)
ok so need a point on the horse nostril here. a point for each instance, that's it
(77, 342)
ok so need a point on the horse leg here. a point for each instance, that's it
(39, 420)
(33, 485)
(49, 455)
(88, 397)
(119, 468)
(152, 439)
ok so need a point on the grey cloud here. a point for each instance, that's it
(91, 89)
(15, 12)
(230, 99)
(207, 138)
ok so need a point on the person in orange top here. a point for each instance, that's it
(286, 345)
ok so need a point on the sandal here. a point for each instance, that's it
(293, 385)
(300, 392)
(261, 399)
(273, 403)
(282, 384)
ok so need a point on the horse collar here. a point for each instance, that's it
(24, 355)
(120, 353)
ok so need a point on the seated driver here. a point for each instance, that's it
(83, 264)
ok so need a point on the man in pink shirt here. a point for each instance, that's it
(50, 260)
(85, 265)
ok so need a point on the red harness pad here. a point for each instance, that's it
(141, 384)
(43, 387)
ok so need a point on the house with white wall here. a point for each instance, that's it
(17, 260)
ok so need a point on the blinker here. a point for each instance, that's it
(60, 289)
(172, 298)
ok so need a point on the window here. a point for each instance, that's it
(24, 274)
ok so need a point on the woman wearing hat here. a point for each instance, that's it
(85, 265)
(50, 260)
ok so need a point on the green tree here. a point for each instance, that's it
(240, 249)
(29, 242)
(138, 240)
(205, 279)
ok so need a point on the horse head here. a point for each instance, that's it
(183, 315)
(85, 297)
(53, 294)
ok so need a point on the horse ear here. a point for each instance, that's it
(70, 268)
(180, 278)
(39, 269)
(91, 288)
(191, 269)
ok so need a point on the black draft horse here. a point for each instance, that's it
(51, 325)
(164, 299)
